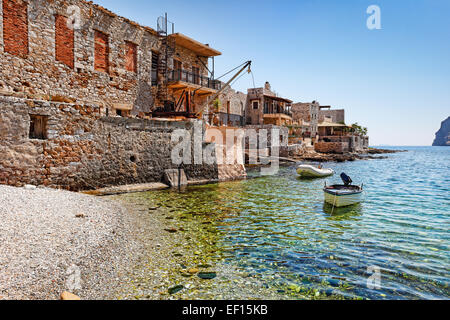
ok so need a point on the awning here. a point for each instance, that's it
(191, 44)
(332, 125)
(278, 98)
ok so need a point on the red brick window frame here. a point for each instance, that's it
(15, 27)
(101, 52)
(131, 57)
(64, 41)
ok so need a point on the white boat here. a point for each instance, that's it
(343, 195)
(308, 171)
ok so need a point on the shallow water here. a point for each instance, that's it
(278, 229)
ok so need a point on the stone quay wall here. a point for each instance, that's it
(331, 147)
(84, 150)
(340, 144)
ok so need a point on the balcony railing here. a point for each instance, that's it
(279, 111)
(190, 77)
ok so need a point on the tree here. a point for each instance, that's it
(359, 129)
(216, 105)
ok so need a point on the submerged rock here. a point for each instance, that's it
(176, 289)
(207, 275)
(193, 270)
(171, 230)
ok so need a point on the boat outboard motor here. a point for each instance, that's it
(346, 179)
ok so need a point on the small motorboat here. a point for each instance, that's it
(343, 195)
(308, 171)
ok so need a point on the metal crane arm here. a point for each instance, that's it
(217, 94)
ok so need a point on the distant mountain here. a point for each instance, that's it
(443, 135)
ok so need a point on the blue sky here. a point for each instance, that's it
(395, 81)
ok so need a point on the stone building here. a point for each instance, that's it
(188, 82)
(328, 115)
(75, 50)
(231, 108)
(307, 115)
(72, 146)
(264, 107)
(338, 137)
(72, 73)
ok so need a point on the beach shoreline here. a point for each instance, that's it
(104, 248)
(55, 241)
(370, 154)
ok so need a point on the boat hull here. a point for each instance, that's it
(313, 172)
(343, 201)
(340, 196)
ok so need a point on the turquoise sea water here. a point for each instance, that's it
(279, 228)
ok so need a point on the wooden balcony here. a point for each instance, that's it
(181, 80)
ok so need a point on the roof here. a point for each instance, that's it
(191, 44)
(112, 14)
(332, 124)
(278, 98)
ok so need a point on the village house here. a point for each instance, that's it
(264, 107)
(326, 129)
(337, 137)
(78, 51)
(230, 108)
(306, 115)
(326, 114)
(186, 84)
(79, 86)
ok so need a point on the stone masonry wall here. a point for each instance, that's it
(337, 116)
(307, 112)
(85, 150)
(236, 101)
(331, 147)
(352, 143)
(232, 108)
(255, 116)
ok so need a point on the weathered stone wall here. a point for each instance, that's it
(30, 64)
(336, 116)
(261, 96)
(255, 116)
(301, 112)
(283, 131)
(85, 150)
(232, 107)
(352, 143)
(307, 113)
(189, 59)
(331, 147)
(232, 102)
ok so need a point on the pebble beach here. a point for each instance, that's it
(54, 241)
(102, 248)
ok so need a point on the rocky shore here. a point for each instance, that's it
(332, 157)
